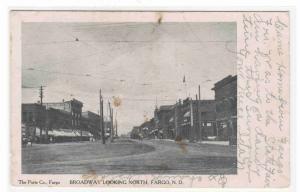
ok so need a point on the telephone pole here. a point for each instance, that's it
(197, 125)
(41, 95)
(100, 113)
(199, 114)
(116, 124)
(41, 122)
(176, 121)
(111, 123)
(101, 117)
(191, 134)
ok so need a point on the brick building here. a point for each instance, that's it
(91, 122)
(33, 114)
(59, 119)
(207, 116)
(72, 107)
(189, 115)
(226, 108)
(63, 121)
(33, 117)
(182, 121)
(196, 120)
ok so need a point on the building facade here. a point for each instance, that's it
(147, 129)
(136, 133)
(192, 120)
(163, 115)
(33, 114)
(196, 119)
(207, 119)
(226, 108)
(91, 122)
(59, 119)
(33, 117)
(72, 107)
(62, 121)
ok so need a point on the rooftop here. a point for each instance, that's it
(225, 81)
(166, 107)
(88, 113)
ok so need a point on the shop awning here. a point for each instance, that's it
(57, 133)
(68, 132)
(77, 132)
(86, 134)
(64, 133)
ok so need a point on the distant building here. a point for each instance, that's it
(207, 116)
(162, 115)
(33, 117)
(33, 114)
(91, 122)
(191, 114)
(181, 121)
(147, 129)
(59, 121)
(135, 132)
(226, 108)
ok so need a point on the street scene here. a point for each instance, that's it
(129, 98)
(128, 156)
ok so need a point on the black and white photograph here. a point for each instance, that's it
(152, 99)
(129, 98)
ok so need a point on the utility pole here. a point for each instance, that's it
(199, 114)
(197, 119)
(176, 121)
(116, 124)
(191, 134)
(111, 122)
(179, 120)
(41, 102)
(41, 95)
(102, 121)
(101, 118)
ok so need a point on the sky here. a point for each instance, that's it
(142, 64)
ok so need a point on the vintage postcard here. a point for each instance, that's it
(150, 99)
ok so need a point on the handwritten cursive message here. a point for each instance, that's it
(263, 99)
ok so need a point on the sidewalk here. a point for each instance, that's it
(224, 143)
